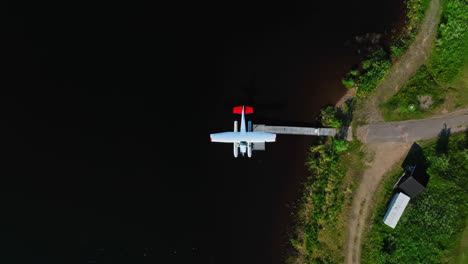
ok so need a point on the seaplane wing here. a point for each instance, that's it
(233, 137)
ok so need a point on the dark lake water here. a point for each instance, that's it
(108, 116)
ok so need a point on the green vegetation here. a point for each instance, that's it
(372, 72)
(318, 235)
(330, 117)
(334, 164)
(354, 72)
(443, 78)
(433, 222)
(451, 47)
(415, 10)
(461, 252)
(350, 79)
(374, 69)
(417, 99)
(400, 47)
(458, 96)
(379, 63)
(348, 82)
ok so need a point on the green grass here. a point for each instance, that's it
(462, 250)
(444, 77)
(460, 91)
(422, 84)
(451, 48)
(459, 254)
(433, 222)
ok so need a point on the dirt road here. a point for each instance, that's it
(386, 153)
(390, 142)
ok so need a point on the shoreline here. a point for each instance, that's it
(300, 251)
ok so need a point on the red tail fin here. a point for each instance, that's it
(238, 110)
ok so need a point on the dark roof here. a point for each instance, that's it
(410, 186)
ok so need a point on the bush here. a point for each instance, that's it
(340, 145)
(375, 68)
(348, 82)
(330, 117)
(397, 50)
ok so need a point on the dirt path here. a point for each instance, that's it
(388, 153)
(390, 142)
(405, 67)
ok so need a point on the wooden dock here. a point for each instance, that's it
(288, 130)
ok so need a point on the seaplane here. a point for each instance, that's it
(244, 138)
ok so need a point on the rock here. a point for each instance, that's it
(425, 101)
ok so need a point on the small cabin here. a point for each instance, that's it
(413, 181)
(395, 209)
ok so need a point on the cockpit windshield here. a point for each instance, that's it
(243, 143)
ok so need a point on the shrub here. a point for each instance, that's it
(348, 82)
(375, 68)
(397, 50)
(340, 145)
(330, 118)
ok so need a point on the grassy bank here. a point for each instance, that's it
(415, 10)
(318, 235)
(377, 64)
(432, 224)
(442, 82)
(334, 166)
